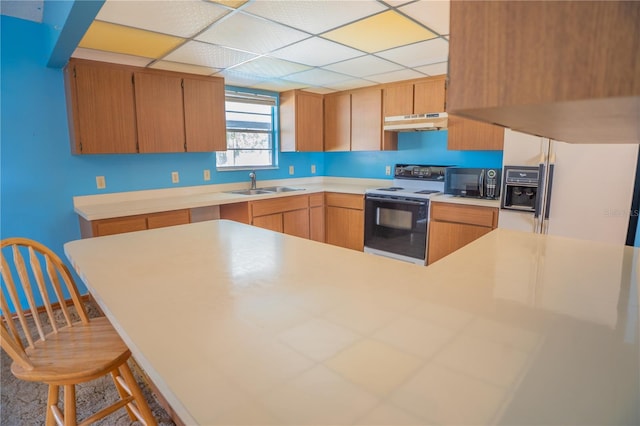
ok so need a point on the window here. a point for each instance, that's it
(250, 131)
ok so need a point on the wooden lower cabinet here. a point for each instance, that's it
(316, 217)
(273, 222)
(119, 225)
(296, 223)
(454, 226)
(344, 220)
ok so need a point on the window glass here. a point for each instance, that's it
(250, 131)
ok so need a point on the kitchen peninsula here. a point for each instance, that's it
(241, 325)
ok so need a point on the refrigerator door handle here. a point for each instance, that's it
(547, 208)
(538, 205)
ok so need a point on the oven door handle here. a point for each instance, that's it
(395, 200)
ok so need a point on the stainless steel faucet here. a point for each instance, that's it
(252, 176)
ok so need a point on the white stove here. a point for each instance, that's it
(414, 181)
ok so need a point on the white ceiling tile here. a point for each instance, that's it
(182, 18)
(239, 79)
(314, 16)
(319, 90)
(116, 58)
(278, 85)
(316, 52)
(364, 66)
(30, 10)
(269, 67)
(350, 84)
(434, 14)
(256, 35)
(390, 77)
(396, 3)
(208, 55)
(317, 77)
(423, 53)
(180, 67)
(433, 69)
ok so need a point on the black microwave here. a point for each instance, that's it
(475, 183)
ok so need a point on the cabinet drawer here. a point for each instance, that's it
(119, 225)
(316, 200)
(349, 201)
(459, 213)
(278, 205)
(160, 220)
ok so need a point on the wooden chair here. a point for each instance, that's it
(76, 348)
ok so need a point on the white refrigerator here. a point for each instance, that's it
(591, 187)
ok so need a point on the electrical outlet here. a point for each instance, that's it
(387, 170)
(313, 168)
(101, 183)
(175, 177)
(206, 174)
(291, 170)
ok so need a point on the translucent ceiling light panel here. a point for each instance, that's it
(380, 32)
(130, 41)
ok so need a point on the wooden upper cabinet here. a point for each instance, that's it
(301, 121)
(366, 122)
(472, 135)
(204, 115)
(398, 100)
(337, 122)
(101, 108)
(573, 78)
(429, 96)
(160, 114)
(123, 109)
(415, 97)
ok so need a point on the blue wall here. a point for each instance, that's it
(39, 176)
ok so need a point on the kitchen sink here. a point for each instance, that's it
(250, 192)
(267, 190)
(281, 189)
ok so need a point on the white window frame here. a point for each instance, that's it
(250, 96)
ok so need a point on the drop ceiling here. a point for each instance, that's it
(317, 45)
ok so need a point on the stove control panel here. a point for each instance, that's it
(420, 171)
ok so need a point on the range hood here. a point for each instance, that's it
(416, 122)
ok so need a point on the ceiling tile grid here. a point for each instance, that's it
(315, 45)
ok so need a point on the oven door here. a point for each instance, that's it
(396, 227)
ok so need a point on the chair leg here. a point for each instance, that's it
(69, 405)
(141, 403)
(52, 400)
(122, 392)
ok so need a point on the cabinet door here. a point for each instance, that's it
(465, 134)
(366, 120)
(296, 223)
(119, 225)
(204, 115)
(309, 133)
(171, 218)
(160, 113)
(398, 100)
(429, 96)
(101, 106)
(272, 222)
(316, 217)
(446, 237)
(345, 227)
(337, 122)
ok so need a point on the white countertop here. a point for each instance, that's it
(444, 198)
(238, 325)
(104, 206)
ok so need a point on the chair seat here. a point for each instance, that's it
(75, 354)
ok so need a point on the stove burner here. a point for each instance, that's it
(393, 188)
(427, 191)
